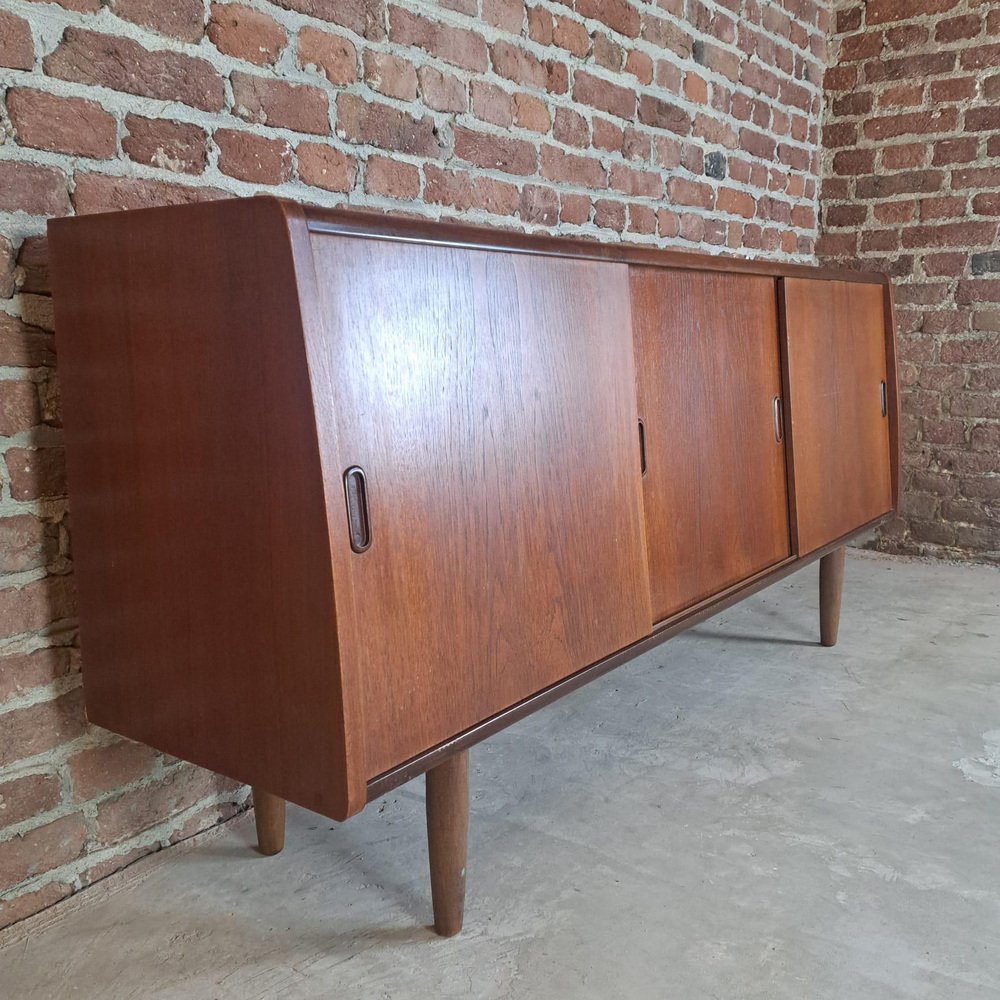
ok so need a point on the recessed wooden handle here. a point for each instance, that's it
(356, 495)
(884, 397)
(779, 420)
(642, 447)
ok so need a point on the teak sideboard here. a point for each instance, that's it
(351, 492)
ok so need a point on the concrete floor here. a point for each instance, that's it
(739, 814)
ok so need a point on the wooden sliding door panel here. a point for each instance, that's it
(488, 398)
(709, 380)
(835, 341)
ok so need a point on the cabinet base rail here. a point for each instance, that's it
(447, 767)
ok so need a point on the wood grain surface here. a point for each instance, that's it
(836, 347)
(490, 400)
(709, 373)
(199, 522)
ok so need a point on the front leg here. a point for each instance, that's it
(447, 840)
(269, 815)
(831, 588)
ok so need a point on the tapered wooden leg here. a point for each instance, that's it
(831, 587)
(269, 815)
(448, 839)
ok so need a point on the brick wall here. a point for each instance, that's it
(912, 186)
(680, 122)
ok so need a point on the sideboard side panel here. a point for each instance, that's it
(205, 589)
(490, 400)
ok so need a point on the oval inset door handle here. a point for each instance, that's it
(779, 420)
(884, 397)
(356, 495)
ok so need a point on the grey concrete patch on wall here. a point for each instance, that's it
(738, 814)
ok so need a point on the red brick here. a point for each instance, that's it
(910, 67)
(604, 95)
(881, 11)
(638, 183)
(609, 214)
(958, 89)
(122, 64)
(38, 728)
(981, 57)
(895, 211)
(324, 167)
(642, 220)
(899, 157)
(905, 95)
(840, 216)
(854, 161)
(608, 54)
(891, 126)
(907, 36)
(492, 104)
(24, 672)
(98, 770)
(684, 192)
(863, 45)
(333, 55)
(982, 119)
(572, 36)
(17, 50)
(148, 805)
(607, 135)
(363, 17)
(245, 33)
(540, 26)
(734, 202)
(391, 178)
(23, 346)
(619, 15)
(975, 177)
(539, 205)
(641, 67)
(266, 101)
(952, 234)
(249, 157)
(37, 190)
(582, 171)
(531, 113)
(514, 63)
(960, 150)
(103, 193)
(32, 795)
(464, 190)
(176, 146)
(442, 91)
(458, 46)
(42, 849)
(663, 115)
(987, 203)
(574, 209)
(512, 156)
(507, 15)
(36, 472)
(183, 19)
(61, 124)
(19, 408)
(955, 29)
(386, 127)
(26, 543)
(390, 75)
